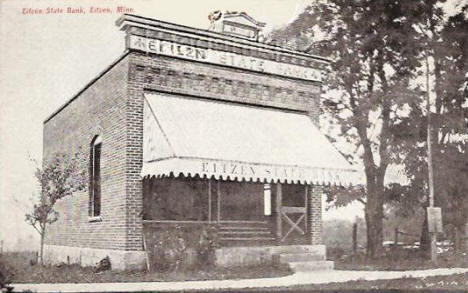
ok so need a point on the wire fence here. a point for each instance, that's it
(398, 240)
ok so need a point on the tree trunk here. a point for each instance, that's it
(42, 249)
(375, 228)
(366, 214)
(374, 212)
(425, 240)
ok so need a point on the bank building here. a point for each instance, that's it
(195, 129)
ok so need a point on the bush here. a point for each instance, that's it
(6, 272)
(169, 251)
(206, 248)
(336, 253)
(174, 247)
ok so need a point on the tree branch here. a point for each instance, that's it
(361, 201)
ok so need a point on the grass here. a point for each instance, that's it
(399, 259)
(442, 283)
(21, 271)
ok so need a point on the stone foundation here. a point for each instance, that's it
(120, 259)
(136, 260)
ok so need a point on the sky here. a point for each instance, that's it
(46, 58)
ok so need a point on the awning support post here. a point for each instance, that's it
(278, 205)
(218, 201)
(209, 200)
(306, 202)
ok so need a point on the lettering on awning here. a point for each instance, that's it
(251, 170)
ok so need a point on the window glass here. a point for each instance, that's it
(95, 178)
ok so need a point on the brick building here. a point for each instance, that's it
(192, 128)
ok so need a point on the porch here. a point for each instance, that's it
(249, 223)
(241, 213)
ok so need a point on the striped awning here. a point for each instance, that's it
(227, 141)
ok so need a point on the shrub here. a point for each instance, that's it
(6, 272)
(169, 251)
(207, 244)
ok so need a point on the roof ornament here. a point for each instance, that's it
(237, 24)
(214, 16)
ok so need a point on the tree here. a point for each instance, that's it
(450, 125)
(373, 47)
(59, 177)
(445, 61)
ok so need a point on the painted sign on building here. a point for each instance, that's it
(173, 49)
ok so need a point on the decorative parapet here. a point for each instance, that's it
(162, 38)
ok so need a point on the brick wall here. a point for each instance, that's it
(223, 83)
(100, 109)
(315, 214)
(134, 158)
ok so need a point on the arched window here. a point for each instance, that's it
(95, 177)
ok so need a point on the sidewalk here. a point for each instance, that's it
(291, 280)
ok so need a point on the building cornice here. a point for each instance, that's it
(149, 27)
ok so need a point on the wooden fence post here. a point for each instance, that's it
(396, 236)
(466, 238)
(355, 227)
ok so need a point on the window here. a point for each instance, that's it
(267, 200)
(95, 178)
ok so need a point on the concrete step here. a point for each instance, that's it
(246, 238)
(297, 257)
(229, 228)
(293, 249)
(243, 224)
(310, 266)
(244, 232)
(253, 240)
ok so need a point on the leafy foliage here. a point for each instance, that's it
(170, 250)
(206, 248)
(7, 272)
(177, 247)
(342, 196)
(58, 178)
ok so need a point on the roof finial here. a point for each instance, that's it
(233, 23)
